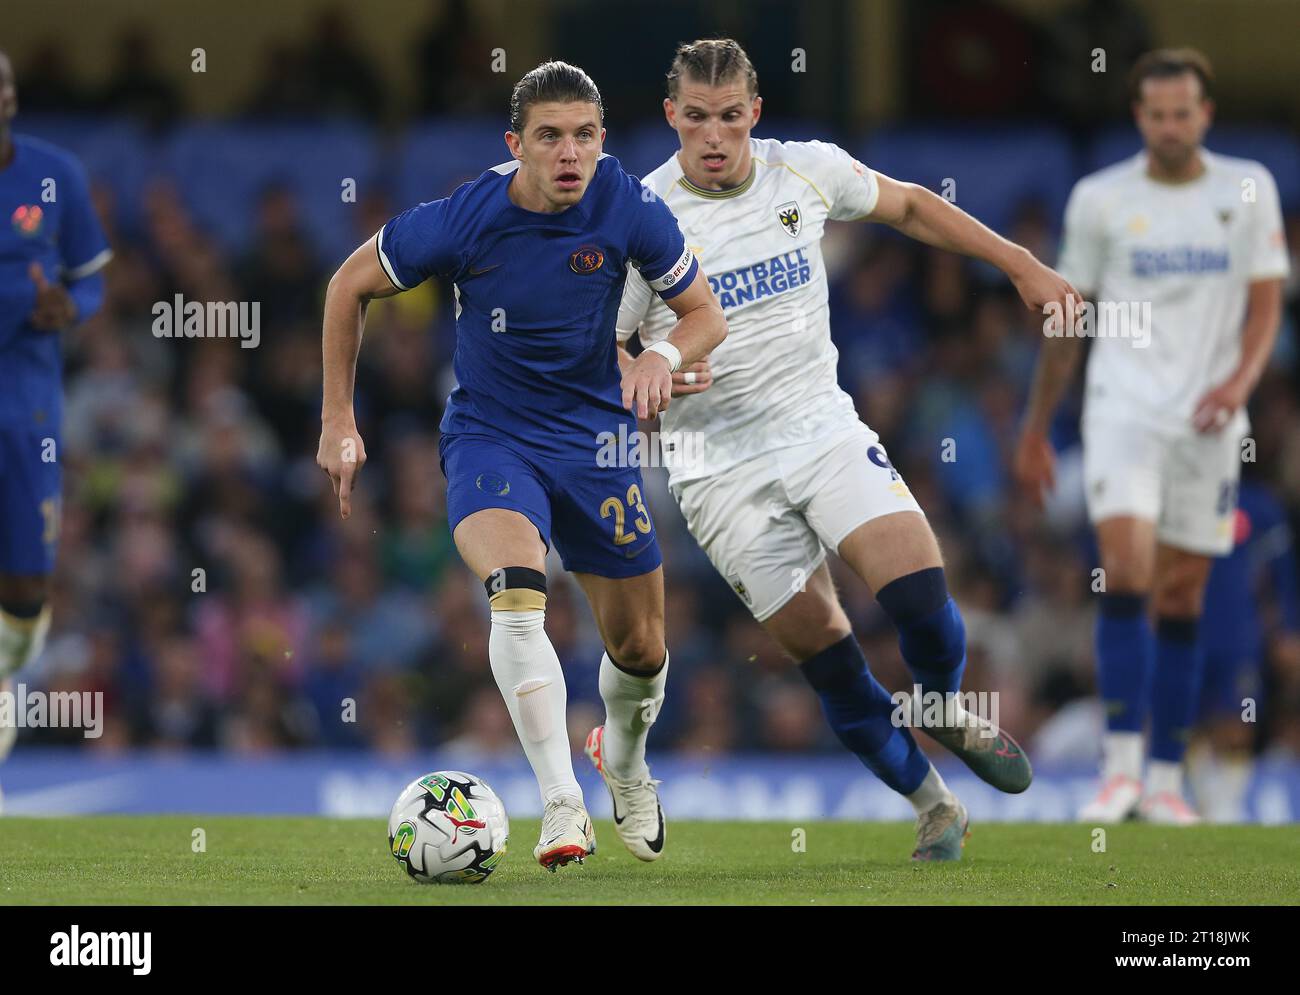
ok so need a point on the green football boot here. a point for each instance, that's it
(991, 754)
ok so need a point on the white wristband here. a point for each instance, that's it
(669, 352)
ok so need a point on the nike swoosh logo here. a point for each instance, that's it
(485, 269)
(657, 844)
(613, 801)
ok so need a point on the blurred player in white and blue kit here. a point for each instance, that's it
(1197, 238)
(787, 471)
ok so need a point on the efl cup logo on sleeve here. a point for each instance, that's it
(679, 270)
(791, 218)
(27, 219)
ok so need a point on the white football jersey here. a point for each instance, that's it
(774, 379)
(1188, 251)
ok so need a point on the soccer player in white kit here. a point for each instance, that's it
(786, 470)
(1197, 239)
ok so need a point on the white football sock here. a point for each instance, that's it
(21, 640)
(1121, 754)
(931, 792)
(528, 673)
(1202, 772)
(1232, 774)
(1164, 777)
(632, 704)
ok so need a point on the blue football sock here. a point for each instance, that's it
(931, 635)
(1123, 644)
(1174, 689)
(860, 711)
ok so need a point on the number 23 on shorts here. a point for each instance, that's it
(613, 506)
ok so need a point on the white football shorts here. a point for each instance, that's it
(767, 523)
(1186, 484)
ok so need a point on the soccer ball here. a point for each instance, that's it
(448, 827)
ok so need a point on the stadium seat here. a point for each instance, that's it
(796, 130)
(995, 170)
(221, 168)
(643, 148)
(436, 156)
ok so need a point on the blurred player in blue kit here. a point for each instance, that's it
(1252, 615)
(538, 249)
(52, 252)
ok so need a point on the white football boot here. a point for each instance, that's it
(1117, 801)
(941, 832)
(1166, 808)
(567, 834)
(638, 816)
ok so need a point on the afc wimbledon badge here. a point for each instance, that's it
(791, 218)
(738, 586)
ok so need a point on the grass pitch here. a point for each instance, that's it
(114, 860)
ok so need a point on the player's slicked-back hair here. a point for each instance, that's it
(552, 81)
(711, 61)
(1166, 63)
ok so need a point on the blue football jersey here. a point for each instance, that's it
(45, 199)
(536, 300)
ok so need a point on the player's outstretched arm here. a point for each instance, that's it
(701, 327)
(341, 453)
(920, 214)
(928, 218)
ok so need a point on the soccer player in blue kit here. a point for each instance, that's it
(1252, 614)
(538, 249)
(51, 254)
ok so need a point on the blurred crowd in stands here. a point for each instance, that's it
(325, 73)
(208, 587)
